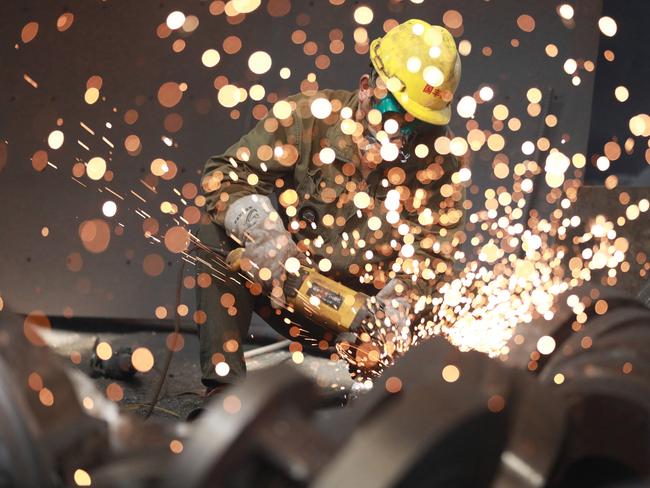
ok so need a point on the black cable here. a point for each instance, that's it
(170, 350)
(177, 320)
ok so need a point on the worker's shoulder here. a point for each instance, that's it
(345, 98)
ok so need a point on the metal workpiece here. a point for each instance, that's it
(436, 417)
(253, 433)
(449, 427)
(536, 434)
(56, 433)
(420, 424)
(428, 433)
(525, 338)
(644, 294)
(22, 459)
(600, 366)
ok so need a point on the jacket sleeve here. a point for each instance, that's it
(433, 212)
(251, 165)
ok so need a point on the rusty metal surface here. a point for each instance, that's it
(264, 420)
(601, 368)
(491, 425)
(439, 433)
(536, 433)
(22, 461)
(61, 433)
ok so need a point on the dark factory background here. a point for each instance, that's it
(118, 55)
(631, 69)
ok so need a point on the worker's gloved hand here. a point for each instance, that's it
(268, 246)
(393, 298)
(253, 221)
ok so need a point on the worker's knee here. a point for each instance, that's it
(213, 236)
(214, 244)
(212, 275)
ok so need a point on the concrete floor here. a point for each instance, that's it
(182, 391)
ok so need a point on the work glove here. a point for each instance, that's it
(393, 300)
(253, 221)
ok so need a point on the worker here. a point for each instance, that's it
(346, 181)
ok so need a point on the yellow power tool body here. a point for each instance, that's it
(319, 298)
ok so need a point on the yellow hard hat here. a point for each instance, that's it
(420, 66)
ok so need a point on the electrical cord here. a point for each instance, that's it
(177, 319)
(170, 350)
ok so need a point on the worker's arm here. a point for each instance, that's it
(237, 184)
(251, 166)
